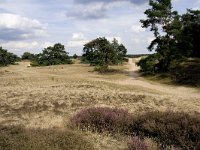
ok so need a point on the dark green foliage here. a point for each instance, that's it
(28, 56)
(102, 119)
(137, 144)
(102, 69)
(136, 55)
(187, 72)
(148, 64)
(190, 35)
(55, 55)
(75, 56)
(7, 58)
(176, 37)
(101, 52)
(169, 128)
(14, 137)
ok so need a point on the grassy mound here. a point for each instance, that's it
(14, 137)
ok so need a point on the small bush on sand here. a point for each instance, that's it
(169, 128)
(103, 119)
(137, 144)
(12, 137)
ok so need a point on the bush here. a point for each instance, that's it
(148, 64)
(7, 58)
(15, 137)
(137, 144)
(55, 55)
(28, 56)
(103, 119)
(101, 69)
(187, 72)
(169, 128)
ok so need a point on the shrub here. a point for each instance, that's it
(103, 119)
(55, 55)
(169, 128)
(148, 64)
(28, 56)
(187, 72)
(7, 58)
(102, 69)
(75, 56)
(15, 137)
(137, 144)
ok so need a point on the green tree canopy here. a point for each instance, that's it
(176, 37)
(52, 56)
(101, 52)
(7, 58)
(28, 56)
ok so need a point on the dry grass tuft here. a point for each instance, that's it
(16, 137)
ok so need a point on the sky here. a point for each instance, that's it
(32, 25)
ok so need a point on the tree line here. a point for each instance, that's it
(98, 52)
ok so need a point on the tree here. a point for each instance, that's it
(7, 58)
(28, 56)
(189, 40)
(52, 56)
(103, 53)
(159, 18)
(75, 56)
(176, 40)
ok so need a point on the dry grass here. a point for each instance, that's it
(46, 97)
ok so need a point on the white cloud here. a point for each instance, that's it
(20, 45)
(78, 36)
(110, 39)
(78, 40)
(16, 27)
(137, 29)
(47, 44)
(76, 43)
(90, 11)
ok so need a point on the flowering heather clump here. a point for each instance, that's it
(103, 119)
(169, 128)
(137, 144)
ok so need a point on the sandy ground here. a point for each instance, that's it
(46, 97)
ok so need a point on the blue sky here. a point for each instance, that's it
(31, 25)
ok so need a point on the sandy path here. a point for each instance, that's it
(173, 90)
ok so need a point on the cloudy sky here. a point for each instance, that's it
(31, 25)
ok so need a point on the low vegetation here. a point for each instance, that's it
(102, 119)
(137, 144)
(168, 128)
(17, 137)
(187, 72)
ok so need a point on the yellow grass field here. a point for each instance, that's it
(46, 97)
